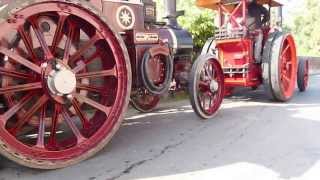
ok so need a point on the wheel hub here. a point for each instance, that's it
(61, 81)
(214, 86)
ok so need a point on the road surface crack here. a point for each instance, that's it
(139, 163)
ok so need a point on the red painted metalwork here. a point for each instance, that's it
(237, 53)
(237, 16)
(156, 64)
(156, 72)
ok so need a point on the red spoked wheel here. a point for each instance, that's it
(303, 75)
(281, 68)
(206, 86)
(65, 79)
(144, 101)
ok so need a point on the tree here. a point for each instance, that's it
(306, 29)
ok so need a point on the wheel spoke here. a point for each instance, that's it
(47, 53)
(21, 51)
(59, 31)
(203, 97)
(41, 129)
(83, 63)
(95, 89)
(29, 114)
(15, 57)
(55, 117)
(285, 50)
(68, 44)
(204, 86)
(287, 79)
(14, 109)
(212, 72)
(84, 48)
(211, 94)
(81, 115)
(93, 103)
(20, 88)
(80, 66)
(72, 126)
(208, 72)
(213, 102)
(14, 74)
(97, 74)
(28, 43)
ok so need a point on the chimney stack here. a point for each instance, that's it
(171, 12)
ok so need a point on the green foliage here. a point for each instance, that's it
(306, 29)
(201, 28)
(199, 22)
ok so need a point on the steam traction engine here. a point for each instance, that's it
(68, 69)
(232, 50)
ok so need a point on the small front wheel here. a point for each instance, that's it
(206, 86)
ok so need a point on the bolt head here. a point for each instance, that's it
(44, 65)
(58, 66)
(69, 96)
(6, 58)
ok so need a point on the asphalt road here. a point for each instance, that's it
(250, 139)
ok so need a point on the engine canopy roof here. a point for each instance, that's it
(214, 4)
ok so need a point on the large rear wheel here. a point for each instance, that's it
(206, 86)
(65, 80)
(280, 67)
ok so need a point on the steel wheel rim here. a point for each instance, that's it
(210, 72)
(88, 139)
(288, 66)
